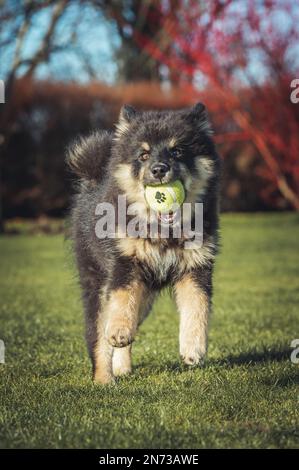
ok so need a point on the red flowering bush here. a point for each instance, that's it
(240, 58)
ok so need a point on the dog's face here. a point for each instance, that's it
(160, 147)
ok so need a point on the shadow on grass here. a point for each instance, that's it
(286, 380)
(147, 369)
(252, 357)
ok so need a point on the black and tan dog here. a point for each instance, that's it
(121, 276)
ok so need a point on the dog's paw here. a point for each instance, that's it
(119, 336)
(119, 370)
(103, 378)
(192, 360)
(193, 354)
(121, 361)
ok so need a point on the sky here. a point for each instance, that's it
(84, 32)
(81, 29)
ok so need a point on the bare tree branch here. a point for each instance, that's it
(45, 47)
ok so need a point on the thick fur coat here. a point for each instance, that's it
(121, 276)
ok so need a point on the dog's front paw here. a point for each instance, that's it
(192, 352)
(102, 377)
(192, 359)
(121, 362)
(119, 335)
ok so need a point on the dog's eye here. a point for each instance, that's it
(176, 153)
(143, 156)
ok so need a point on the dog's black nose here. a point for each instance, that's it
(160, 169)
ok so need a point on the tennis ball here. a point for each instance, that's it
(164, 197)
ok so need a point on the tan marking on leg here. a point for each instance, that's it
(103, 357)
(121, 361)
(122, 312)
(116, 325)
(194, 305)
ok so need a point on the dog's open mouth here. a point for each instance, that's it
(168, 218)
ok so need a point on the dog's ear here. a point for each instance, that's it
(126, 116)
(198, 117)
(198, 110)
(87, 157)
(127, 113)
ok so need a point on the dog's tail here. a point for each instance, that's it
(88, 157)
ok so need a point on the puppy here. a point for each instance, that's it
(121, 274)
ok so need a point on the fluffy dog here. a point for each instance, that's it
(121, 276)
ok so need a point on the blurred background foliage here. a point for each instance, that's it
(68, 66)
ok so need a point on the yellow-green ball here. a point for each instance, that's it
(165, 197)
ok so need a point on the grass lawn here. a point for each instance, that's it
(246, 395)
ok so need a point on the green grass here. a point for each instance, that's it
(246, 395)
